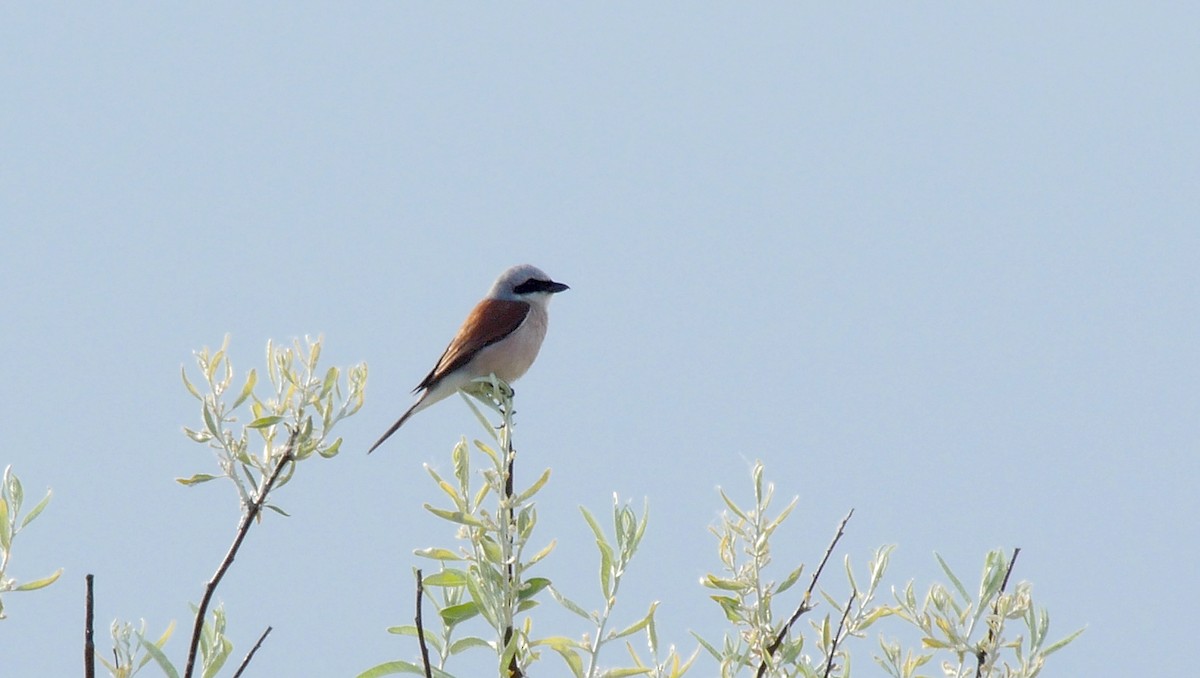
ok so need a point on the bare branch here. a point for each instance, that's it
(806, 604)
(250, 654)
(837, 636)
(89, 644)
(1011, 563)
(253, 509)
(421, 627)
(981, 655)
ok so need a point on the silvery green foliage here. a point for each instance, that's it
(132, 650)
(12, 495)
(494, 529)
(971, 634)
(615, 556)
(484, 577)
(754, 602)
(288, 421)
(298, 399)
(976, 631)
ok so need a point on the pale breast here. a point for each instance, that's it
(511, 357)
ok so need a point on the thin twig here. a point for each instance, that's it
(981, 655)
(252, 510)
(1011, 562)
(89, 642)
(514, 668)
(806, 604)
(837, 636)
(250, 654)
(421, 627)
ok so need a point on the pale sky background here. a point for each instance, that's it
(938, 263)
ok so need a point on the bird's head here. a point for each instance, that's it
(525, 283)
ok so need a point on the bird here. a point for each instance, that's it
(500, 336)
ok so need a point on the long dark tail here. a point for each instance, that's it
(399, 422)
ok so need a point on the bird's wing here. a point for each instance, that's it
(490, 321)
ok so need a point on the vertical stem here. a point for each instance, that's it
(981, 656)
(89, 644)
(510, 457)
(421, 627)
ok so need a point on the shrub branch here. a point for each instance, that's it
(250, 655)
(253, 509)
(806, 604)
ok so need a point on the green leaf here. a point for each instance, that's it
(569, 604)
(636, 626)
(566, 648)
(263, 422)
(191, 389)
(16, 492)
(492, 551)
(790, 580)
(278, 510)
(166, 635)
(591, 521)
(331, 377)
(532, 587)
(622, 673)
(447, 577)
(160, 658)
(606, 567)
(452, 493)
(714, 582)
(783, 515)
(470, 642)
(455, 614)
(731, 608)
(873, 616)
(533, 489)
(652, 631)
(332, 450)
(437, 554)
(391, 669)
(1055, 647)
(196, 479)
(455, 516)
(40, 583)
(541, 554)
(36, 510)
(707, 646)
(251, 380)
(732, 506)
(560, 643)
(215, 362)
(5, 527)
(210, 423)
(509, 653)
(218, 660)
(962, 591)
(197, 436)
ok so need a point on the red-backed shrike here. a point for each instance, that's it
(501, 336)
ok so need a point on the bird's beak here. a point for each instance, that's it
(556, 287)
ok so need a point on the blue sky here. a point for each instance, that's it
(936, 263)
